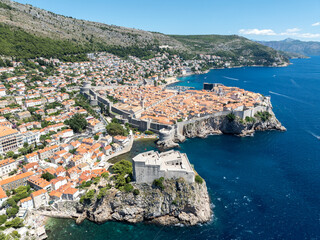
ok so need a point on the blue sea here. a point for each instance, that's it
(261, 187)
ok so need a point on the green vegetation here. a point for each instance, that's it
(158, 183)
(105, 175)
(16, 42)
(136, 192)
(264, 116)
(198, 179)
(88, 196)
(231, 117)
(17, 194)
(86, 184)
(96, 137)
(148, 132)
(81, 101)
(122, 169)
(250, 119)
(15, 223)
(128, 187)
(5, 6)
(3, 219)
(116, 129)
(48, 176)
(77, 123)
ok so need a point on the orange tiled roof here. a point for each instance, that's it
(37, 193)
(15, 178)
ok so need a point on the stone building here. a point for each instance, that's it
(10, 140)
(15, 181)
(151, 165)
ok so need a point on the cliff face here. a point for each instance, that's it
(179, 202)
(222, 125)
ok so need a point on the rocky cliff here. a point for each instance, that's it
(178, 203)
(220, 125)
(223, 125)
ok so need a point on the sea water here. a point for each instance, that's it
(261, 187)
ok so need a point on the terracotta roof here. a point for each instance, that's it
(4, 131)
(15, 178)
(38, 181)
(37, 193)
(2, 193)
(6, 162)
(25, 199)
(70, 191)
(55, 193)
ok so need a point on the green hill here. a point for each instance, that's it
(27, 32)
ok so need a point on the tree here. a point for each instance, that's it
(122, 168)
(47, 176)
(77, 123)
(3, 219)
(231, 117)
(15, 223)
(96, 137)
(116, 129)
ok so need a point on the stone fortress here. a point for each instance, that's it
(152, 165)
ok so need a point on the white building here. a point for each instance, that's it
(7, 166)
(152, 165)
(31, 137)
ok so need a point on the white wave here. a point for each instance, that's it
(234, 79)
(315, 135)
(288, 97)
(294, 83)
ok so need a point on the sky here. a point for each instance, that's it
(254, 19)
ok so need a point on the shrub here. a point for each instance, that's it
(96, 137)
(88, 196)
(158, 183)
(123, 167)
(174, 202)
(264, 116)
(136, 192)
(116, 129)
(250, 119)
(231, 117)
(105, 175)
(148, 132)
(47, 176)
(198, 179)
(128, 187)
(11, 212)
(15, 223)
(3, 219)
(102, 193)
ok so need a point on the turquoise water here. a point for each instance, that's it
(263, 187)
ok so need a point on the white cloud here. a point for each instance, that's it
(309, 35)
(316, 24)
(293, 30)
(256, 31)
(289, 32)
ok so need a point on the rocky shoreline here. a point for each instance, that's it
(178, 202)
(221, 125)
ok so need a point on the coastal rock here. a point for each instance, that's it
(178, 203)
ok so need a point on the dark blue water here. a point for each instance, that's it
(263, 187)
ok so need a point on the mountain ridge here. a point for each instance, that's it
(306, 48)
(94, 36)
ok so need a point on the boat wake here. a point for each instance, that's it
(234, 79)
(294, 83)
(288, 97)
(315, 135)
